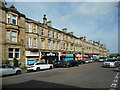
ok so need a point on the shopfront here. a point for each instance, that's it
(32, 56)
(62, 56)
(49, 57)
(77, 57)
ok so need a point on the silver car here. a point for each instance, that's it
(7, 69)
(110, 63)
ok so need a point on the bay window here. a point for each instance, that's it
(8, 35)
(63, 37)
(42, 32)
(30, 42)
(35, 28)
(30, 27)
(14, 36)
(49, 34)
(42, 44)
(53, 45)
(17, 53)
(10, 53)
(35, 43)
(14, 53)
(49, 45)
(57, 36)
(53, 35)
(57, 46)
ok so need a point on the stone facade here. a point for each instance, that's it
(32, 41)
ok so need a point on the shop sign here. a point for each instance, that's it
(50, 54)
(69, 55)
(62, 54)
(91, 55)
(77, 55)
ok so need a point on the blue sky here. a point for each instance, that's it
(96, 20)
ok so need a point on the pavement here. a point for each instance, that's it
(90, 76)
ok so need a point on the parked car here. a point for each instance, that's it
(61, 63)
(86, 61)
(81, 61)
(7, 69)
(110, 63)
(118, 62)
(101, 60)
(39, 66)
(72, 63)
(91, 60)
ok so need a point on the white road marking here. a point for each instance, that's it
(115, 82)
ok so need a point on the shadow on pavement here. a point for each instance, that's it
(34, 84)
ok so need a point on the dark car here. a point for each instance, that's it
(61, 63)
(81, 61)
(72, 63)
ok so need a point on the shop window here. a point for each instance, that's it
(14, 19)
(14, 36)
(30, 27)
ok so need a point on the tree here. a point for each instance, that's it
(15, 62)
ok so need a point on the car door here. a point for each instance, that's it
(10, 70)
(46, 66)
(4, 70)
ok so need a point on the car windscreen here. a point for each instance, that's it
(32, 64)
(40, 63)
(110, 60)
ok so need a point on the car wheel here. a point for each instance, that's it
(51, 67)
(38, 69)
(18, 72)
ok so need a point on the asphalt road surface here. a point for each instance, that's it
(86, 76)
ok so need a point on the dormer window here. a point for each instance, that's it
(35, 28)
(42, 32)
(8, 18)
(14, 19)
(11, 18)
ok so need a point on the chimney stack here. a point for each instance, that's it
(71, 33)
(81, 38)
(44, 20)
(49, 23)
(84, 38)
(64, 30)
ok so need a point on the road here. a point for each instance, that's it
(87, 76)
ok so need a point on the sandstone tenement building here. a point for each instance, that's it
(30, 41)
